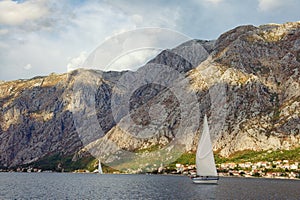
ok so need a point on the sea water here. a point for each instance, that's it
(109, 186)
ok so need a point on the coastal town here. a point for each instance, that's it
(275, 169)
(282, 169)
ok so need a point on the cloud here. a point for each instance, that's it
(131, 49)
(63, 30)
(14, 13)
(3, 31)
(214, 1)
(28, 66)
(151, 13)
(137, 19)
(48, 33)
(278, 5)
(76, 62)
(132, 60)
(267, 5)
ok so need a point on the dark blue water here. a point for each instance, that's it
(94, 186)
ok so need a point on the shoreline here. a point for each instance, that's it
(151, 174)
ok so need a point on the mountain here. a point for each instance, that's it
(246, 81)
(261, 67)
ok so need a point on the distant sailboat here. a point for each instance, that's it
(100, 168)
(205, 162)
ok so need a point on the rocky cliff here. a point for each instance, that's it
(261, 71)
(246, 81)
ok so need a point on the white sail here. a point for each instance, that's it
(100, 168)
(205, 161)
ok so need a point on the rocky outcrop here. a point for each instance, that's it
(246, 81)
(268, 102)
(34, 120)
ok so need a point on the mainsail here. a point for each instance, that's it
(205, 161)
(100, 168)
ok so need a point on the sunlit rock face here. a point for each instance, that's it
(247, 82)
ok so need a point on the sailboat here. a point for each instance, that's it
(205, 162)
(99, 167)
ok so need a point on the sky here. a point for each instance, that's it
(38, 37)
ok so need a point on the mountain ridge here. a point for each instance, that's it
(248, 77)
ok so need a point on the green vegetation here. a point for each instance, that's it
(255, 156)
(58, 162)
(219, 159)
(149, 149)
(91, 166)
(245, 156)
(185, 159)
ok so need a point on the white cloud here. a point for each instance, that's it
(137, 19)
(76, 62)
(28, 66)
(214, 1)
(54, 32)
(14, 13)
(132, 60)
(268, 5)
(3, 31)
(131, 49)
(95, 24)
(45, 33)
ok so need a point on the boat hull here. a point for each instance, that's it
(202, 180)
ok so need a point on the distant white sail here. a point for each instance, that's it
(205, 161)
(100, 168)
